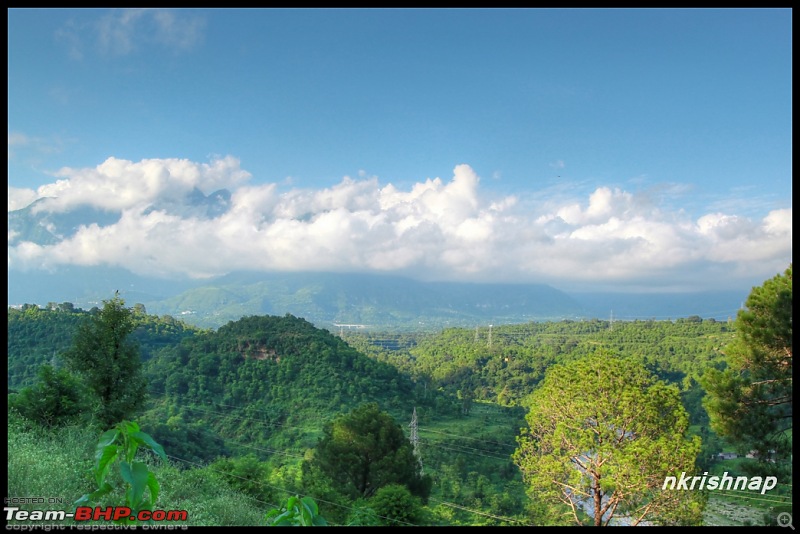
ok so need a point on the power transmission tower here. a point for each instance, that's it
(415, 438)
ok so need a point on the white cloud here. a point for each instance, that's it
(739, 240)
(438, 229)
(118, 184)
(603, 203)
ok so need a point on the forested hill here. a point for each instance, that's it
(280, 371)
(207, 387)
(283, 372)
(263, 361)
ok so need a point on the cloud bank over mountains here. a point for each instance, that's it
(439, 229)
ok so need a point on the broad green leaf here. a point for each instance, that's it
(281, 519)
(107, 438)
(153, 486)
(146, 439)
(129, 427)
(107, 455)
(306, 511)
(137, 476)
(126, 472)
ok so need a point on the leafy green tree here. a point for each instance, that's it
(110, 364)
(365, 450)
(750, 402)
(395, 506)
(56, 400)
(603, 435)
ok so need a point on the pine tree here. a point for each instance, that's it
(750, 402)
(603, 435)
(366, 450)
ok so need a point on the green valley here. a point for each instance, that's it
(242, 411)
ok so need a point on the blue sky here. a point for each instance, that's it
(603, 148)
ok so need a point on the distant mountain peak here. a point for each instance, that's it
(195, 204)
(38, 224)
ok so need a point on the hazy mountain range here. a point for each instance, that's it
(332, 299)
(329, 300)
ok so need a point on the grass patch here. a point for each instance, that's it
(53, 467)
(56, 466)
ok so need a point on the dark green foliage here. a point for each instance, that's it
(193, 442)
(152, 333)
(35, 337)
(39, 335)
(109, 363)
(247, 474)
(56, 400)
(750, 402)
(272, 381)
(366, 450)
(394, 505)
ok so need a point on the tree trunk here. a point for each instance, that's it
(598, 503)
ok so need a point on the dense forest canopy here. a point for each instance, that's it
(504, 363)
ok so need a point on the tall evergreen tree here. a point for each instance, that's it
(750, 402)
(109, 362)
(366, 450)
(603, 435)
